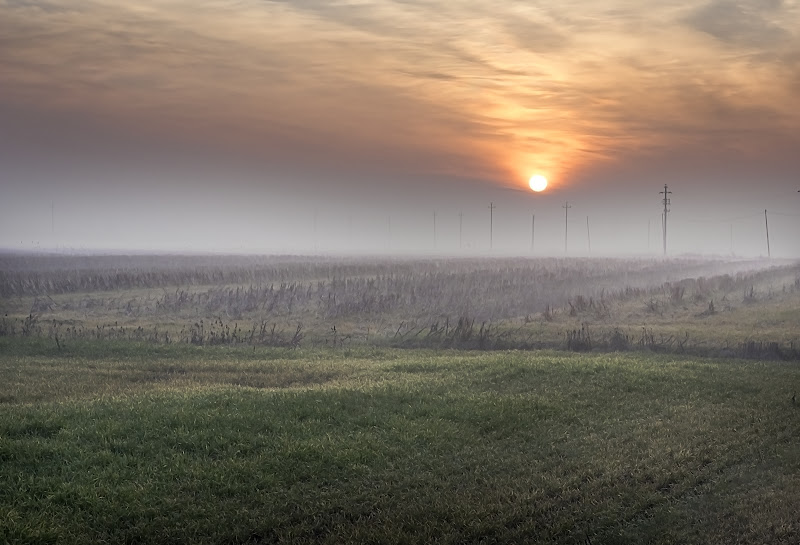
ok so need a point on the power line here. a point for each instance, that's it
(727, 220)
(786, 214)
(735, 219)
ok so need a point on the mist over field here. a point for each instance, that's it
(319, 128)
(260, 222)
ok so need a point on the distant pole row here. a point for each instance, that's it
(666, 201)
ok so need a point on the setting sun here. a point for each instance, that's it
(538, 182)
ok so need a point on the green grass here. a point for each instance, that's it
(107, 442)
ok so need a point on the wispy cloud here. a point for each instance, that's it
(753, 23)
(458, 87)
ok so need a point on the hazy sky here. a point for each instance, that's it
(296, 126)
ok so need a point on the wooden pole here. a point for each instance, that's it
(766, 224)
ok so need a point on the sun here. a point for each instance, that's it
(538, 182)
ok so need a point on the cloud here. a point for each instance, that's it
(415, 88)
(752, 23)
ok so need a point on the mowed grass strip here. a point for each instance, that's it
(35, 370)
(401, 447)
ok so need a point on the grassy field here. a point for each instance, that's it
(136, 408)
(135, 443)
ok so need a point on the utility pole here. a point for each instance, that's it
(766, 224)
(648, 236)
(666, 202)
(53, 219)
(566, 208)
(533, 224)
(588, 236)
(491, 224)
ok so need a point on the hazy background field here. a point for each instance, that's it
(699, 304)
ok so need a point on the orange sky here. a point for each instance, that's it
(490, 91)
(500, 89)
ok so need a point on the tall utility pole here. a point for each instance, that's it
(766, 224)
(588, 236)
(566, 208)
(666, 202)
(533, 224)
(491, 223)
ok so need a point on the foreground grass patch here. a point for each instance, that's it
(402, 446)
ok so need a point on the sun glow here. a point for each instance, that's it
(538, 182)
